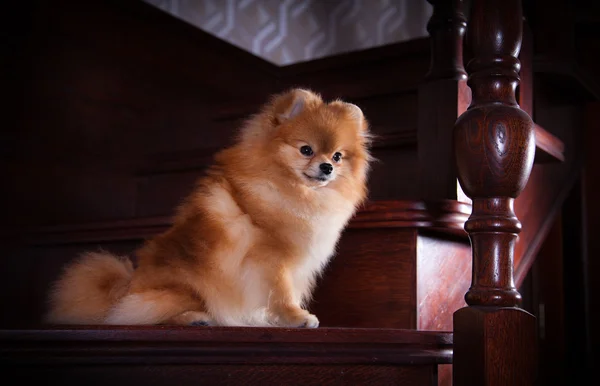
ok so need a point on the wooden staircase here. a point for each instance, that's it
(386, 302)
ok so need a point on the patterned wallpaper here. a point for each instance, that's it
(290, 31)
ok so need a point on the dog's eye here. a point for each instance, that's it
(306, 150)
(337, 157)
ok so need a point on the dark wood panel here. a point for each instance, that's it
(258, 375)
(220, 355)
(95, 87)
(233, 338)
(366, 69)
(390, 114)
(159, 195)
(370, 282)
(549, 183)
(217, 346)
(153, 79)
(28, 273)
(591, 206)
(46, 193)
(443, 277)
(443, 216)
(549, 306)
(393, 176)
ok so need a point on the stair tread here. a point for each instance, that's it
(175, 344)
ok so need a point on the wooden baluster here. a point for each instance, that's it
(446, 28)
(443, 96)
(494, 340)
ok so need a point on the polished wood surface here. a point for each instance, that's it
(443, 95)
(371, 282)
(222, 356)
(494, 148)
(446, 28)
(443, 278)
(494, 346)
(101, 344)
(226, 375)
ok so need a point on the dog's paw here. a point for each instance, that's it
(200, 323)
(295, 317)
(191, 318)
(310, 321)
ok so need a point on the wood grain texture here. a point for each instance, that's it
(443, 96)
(443, 278)
(494, 346)
(222, 356)
(495, 342)
(371, 281)
(446, 28)
(494, 147)
(226, 375)
(238, 339)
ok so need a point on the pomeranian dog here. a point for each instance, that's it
(247, 245)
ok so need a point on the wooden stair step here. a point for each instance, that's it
(223, 355)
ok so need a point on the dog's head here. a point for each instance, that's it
(319, 144)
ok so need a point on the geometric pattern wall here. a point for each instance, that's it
(291, 31)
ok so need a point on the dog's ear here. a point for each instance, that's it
(281, 108)
(289, 105)
(354, 113)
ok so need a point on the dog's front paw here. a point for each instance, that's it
(310, 321)
(295, 317)
(191, 318)
(200, 323)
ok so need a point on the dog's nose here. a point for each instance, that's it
(326, 168)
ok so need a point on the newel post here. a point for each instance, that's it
(494, 145)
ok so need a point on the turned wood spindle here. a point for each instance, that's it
(446, 28)
(494, 144)
(494, 148)
(443, 96)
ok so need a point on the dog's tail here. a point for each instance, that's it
(88, 288)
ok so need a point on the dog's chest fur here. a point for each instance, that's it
(325, 232)
(314, 237)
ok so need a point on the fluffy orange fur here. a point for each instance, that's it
(247, 245)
